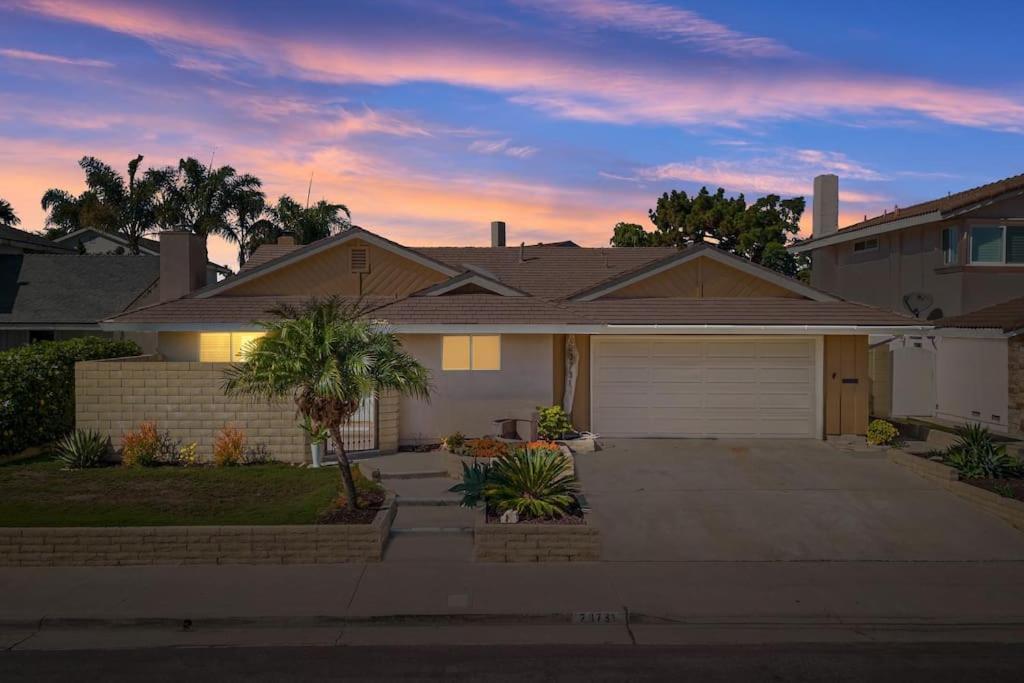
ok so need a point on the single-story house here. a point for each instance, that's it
(14, 241)
(980, 367)
(634, 342)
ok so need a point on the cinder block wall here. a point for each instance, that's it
(1015, 367)
(183, 398)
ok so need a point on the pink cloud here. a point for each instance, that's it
(562, 82)
(31, 56)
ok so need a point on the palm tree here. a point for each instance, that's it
(8, 218)
(327, 357)
(310, 223)
(202, 200)
(110, 202)
(253, 224)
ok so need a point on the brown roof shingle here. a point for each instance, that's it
(1007, 316)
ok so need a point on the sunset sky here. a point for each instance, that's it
(430, 118)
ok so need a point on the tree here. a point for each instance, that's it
(8, 218)
(630, 235)
(110, 202)
(252, 224)
(203, 200)
(312, 223)
(327, 357)
(760, 232)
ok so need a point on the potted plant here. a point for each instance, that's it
(317, 434)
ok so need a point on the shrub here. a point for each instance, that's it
(552, 422)
(257, 455)
(142, 448)
(454, 443)
(82, 449)
(486, 448)
(317, 433)
(229, 448)
(976, 455)
(37, 404)
(187, 455)
(882, 433)
(474, 482)
(533, 485)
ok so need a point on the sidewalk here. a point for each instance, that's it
(411, 601)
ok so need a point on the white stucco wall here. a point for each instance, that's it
(470, 401)
(972, 381)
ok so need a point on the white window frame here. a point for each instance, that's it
(1002, 263)
(471, 338)
(866, 249)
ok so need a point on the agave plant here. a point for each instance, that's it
(474, 482)
(976, 455)
(82, 449)
(533, 484)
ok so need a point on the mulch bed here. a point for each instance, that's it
(568, 520)
(369, 505)
(1008, 488)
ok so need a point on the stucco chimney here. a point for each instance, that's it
(826, 205)
(497, 233)
(182, 264)
(287, 238)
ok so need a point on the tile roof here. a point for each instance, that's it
(472, 309)
(943, 205)
(224, 309)
(31, 241)
(71, 288)
(1007, 316)
(756, 311)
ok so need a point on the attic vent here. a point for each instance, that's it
(359, 260)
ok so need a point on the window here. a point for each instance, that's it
(997, 244)
(865, 245)
(471, 352)
(224, 347)
(950, 246)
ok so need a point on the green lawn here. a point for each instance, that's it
(40, 493)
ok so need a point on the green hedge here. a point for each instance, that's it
(37, 388)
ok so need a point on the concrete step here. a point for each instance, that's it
(422, 488)
(433, 519)
(413, 474)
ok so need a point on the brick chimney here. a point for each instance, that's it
(826, 205)
(497, 233)
(182, 264)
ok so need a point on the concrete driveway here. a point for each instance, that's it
(770, 500)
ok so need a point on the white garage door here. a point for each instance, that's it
(703, 386)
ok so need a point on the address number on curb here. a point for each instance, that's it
(597, 617)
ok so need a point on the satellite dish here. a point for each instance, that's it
(917, 302)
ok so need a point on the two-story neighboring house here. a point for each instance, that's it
(945, 257)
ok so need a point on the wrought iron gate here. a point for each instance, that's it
(360, 432)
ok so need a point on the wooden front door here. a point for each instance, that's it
(846, 384)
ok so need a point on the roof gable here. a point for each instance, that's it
(322, 268)
(471, 283)
(702, 271)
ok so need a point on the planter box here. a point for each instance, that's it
(534, 542)
(1009, 509)
(173, 545)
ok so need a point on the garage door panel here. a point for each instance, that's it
(704, 387)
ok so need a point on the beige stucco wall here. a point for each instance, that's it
(185, 399)
(470, 401)
(971, 381)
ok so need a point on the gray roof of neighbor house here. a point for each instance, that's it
(31, 242)
(931, 210)
(68, 289)
(145, 244)
(1007, 316)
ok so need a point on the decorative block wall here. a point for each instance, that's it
(1015, 367)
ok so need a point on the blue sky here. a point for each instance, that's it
(431, 118)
